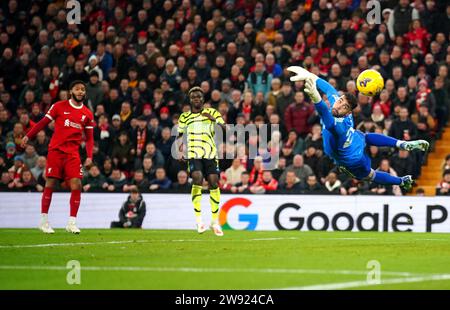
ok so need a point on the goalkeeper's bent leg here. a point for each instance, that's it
(196, 194)
(214, 199)
(384, 178)
(382, 140)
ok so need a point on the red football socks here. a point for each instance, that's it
(75, 198)
(46, 199)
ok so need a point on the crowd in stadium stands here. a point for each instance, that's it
(139, 59)
(443, 188)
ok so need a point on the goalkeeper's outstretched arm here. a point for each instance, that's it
(328, 89)
(320, 105)
(301, 74)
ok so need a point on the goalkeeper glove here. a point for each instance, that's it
(301, 74)
(311, 90)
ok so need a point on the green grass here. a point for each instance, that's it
(239, 260)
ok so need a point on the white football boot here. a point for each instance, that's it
(72, 226)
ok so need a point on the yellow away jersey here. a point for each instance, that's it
(200, 133)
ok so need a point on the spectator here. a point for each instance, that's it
(260, 80)
(165, 144)
(298, 115)
(420, 192)
(161, 182)
(93, 66)
(138, 182)
(292, 184)
(122, 152)
(233, 174)
(4, 181)
(442, 189)
(30, 156)
(26, 183)
(425, 123)
(140, 136)
(155, 154)
(446, 163)
(272, 67)
(403, 163)
(401, 18)
(41, 143)
(244, 185)
(95, 181)
(442, 103)
(182, 184)
(148, 168)
(116, 181)
(285, 99)
(266, 184)
(301, 170)
(132, 212)
(313, 159)
(39, 167)
(312, 186)
(332, 184)
(257, 170)
(403, 128)
(353, 186)
(276, 173)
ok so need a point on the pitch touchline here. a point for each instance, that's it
(44, 245)
(354, 284)
(205, 270)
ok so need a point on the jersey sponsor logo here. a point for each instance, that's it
(68, 123)
(66, 113)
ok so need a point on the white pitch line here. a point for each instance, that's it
(205, 270)
(354, 284)
(270, 239)
(355, 238)
(45, 245)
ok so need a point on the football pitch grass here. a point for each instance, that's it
(157, 259)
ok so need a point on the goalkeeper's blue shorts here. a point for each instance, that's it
(360, 169)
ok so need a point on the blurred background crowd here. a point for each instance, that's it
(140, 57)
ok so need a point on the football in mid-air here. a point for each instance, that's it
(370, 82)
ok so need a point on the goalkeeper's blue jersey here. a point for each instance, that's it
(340, 140)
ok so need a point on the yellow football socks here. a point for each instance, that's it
(214, 199)
(196, 194)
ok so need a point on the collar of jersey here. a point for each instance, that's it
(74, 106)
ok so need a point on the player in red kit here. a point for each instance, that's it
(72, 118)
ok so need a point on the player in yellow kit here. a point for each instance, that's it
(199, 127)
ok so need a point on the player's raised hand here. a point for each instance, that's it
(301, 74)
(24, 142)
(311, 90)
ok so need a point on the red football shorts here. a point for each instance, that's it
(64, 166)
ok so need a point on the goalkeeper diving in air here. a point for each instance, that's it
(345, 145)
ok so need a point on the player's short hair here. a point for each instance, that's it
(76, 82)
(351, 99)
(195, 89)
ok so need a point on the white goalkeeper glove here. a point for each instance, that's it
(311, 90)
(301, 74)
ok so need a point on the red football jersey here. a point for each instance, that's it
(70, 122)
